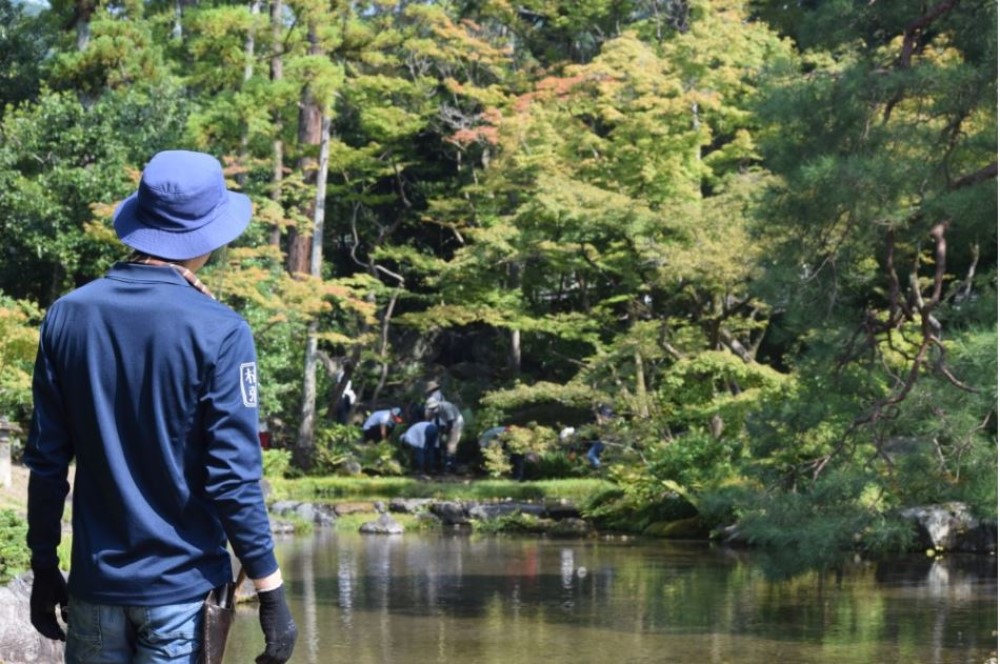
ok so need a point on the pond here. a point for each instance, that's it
(503, 599)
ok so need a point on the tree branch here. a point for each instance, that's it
(982, 175)
(913, 30)
(911, 35)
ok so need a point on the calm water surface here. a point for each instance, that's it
(495, 599)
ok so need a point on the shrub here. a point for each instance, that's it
(276, 463)
(822, 521)
(14, 554)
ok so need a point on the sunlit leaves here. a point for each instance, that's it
(18, 342)
(119, 53)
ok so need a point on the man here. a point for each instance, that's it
(380, 424)
(347, 399)
(150, 385)
(433, 391)
(450, 423)
(422, 439)
(605, 416)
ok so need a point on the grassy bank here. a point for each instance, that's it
(331, 489)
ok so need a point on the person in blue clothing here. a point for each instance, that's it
(422, 438)
(604, 415)
(380, 424)
(150, 386)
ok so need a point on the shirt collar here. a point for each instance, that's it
(137, 273)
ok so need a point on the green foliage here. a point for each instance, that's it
(558, 464)
(496, 461)
(531, 441)
(695, 389)
(382, 458)
(336, 444)
(24, 39)
(299, 525)
(696, 461)
(722, 223)
(14, 554)
(276, 462)
(523, 395)
(339, 446)
(577, 491)
(515, 522)
(18, 344)
(955, 457)
(63, 166)
(351, 523)
(879, 150)
(638, 501)
(837, 513)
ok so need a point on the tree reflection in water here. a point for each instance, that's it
(489, 599)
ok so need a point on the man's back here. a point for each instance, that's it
(421, 435)
(152, 387)
(157, 387)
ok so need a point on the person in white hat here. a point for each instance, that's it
(379, 425)
(450, 424)
(150, 386)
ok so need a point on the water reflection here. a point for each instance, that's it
(458, 598)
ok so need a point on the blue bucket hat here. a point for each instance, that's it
(182, 208)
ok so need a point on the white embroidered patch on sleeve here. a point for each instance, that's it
(248, 384)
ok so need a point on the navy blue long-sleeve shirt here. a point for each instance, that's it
(151, 387)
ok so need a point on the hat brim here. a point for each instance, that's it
(226, 224)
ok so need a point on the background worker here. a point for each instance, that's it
(422, 438)
(347, 399)
(380, 424)
(450, 424)
(433, 391)
(604, 416)
(151, 387)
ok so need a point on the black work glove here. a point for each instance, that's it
(278, 626)
(47, 590)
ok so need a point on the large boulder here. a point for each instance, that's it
(490, 511)
(409, 505)
(19, 642)
(952, 527)
(451, 513)
(317, 514)
(383, 525)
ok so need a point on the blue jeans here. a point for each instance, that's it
(104, 634)
(423, 458)
(594, 454)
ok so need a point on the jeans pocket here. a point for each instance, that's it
(170, 632)
(84, 640)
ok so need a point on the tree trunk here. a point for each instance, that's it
(514, 283)
(83, 10)
(307, 427)
(249, 48)
(640, 385)
(310, 133)
(305, 444)
(514, 359)
(178, 31)
(277, 72)
(383, 349)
